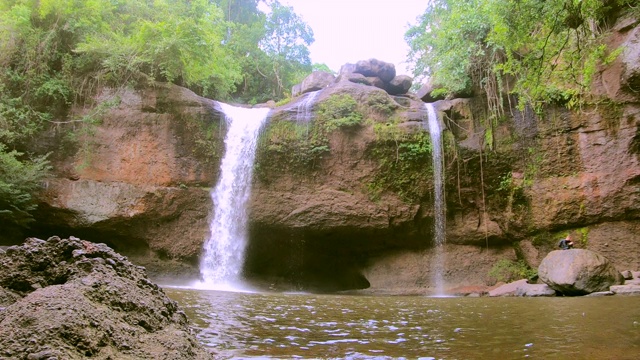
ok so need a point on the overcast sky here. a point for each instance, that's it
(352, 30)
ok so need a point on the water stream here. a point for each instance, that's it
(223, 255)
(439, 262)
(304, 113)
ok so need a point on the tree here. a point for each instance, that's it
(550, 49)
(20, 179)
(286, 39)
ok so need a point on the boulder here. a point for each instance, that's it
(317, 80)
(73, 299)
(376, 81)
(354, 78)
(399, 85)
(522, 288)
(376, 68)
(425, 93)
(626, 289)
(296, 89)
(627, 274)
(347, 69)
(578, 272)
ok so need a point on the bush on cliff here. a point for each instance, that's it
(20, 178)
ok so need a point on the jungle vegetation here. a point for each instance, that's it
(540, 51)
(57, 54)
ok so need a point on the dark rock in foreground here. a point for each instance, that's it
(578, 272)
(73, 299)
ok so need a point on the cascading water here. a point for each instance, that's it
(438, 198)
(303, 114)
(223, 255)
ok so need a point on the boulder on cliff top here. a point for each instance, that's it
(72, 299)
(399, 85)
(376, 68)
(578, 272)
(317, 80)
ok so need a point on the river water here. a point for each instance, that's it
(304, 326)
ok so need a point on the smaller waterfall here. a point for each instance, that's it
(438, 198)
(304, 114)
(223, 256)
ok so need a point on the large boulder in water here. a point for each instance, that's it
(578, 272)
(73, 299)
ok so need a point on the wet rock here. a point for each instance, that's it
(522, 288)
(601, 293)
(578, 272)
(72, 299)
(626, 290)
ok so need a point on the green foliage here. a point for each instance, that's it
(322, 67)
(404, 162)
(340, 112)
(381, 103)
(583, 234)
(550, 48)
(295, 147)
(20, 178)
(506, 271)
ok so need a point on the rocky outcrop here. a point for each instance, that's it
(370, 72)
(578, 272)
(620, 80)
(73, 299)
(139, 181)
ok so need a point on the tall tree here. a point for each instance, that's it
(286, 40)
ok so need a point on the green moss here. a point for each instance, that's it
(404, 163)
(339, 112)
(381, 103)
(583, 234)
(299, 148)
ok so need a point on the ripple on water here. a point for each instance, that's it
(308, 326)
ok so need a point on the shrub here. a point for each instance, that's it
(506, 270)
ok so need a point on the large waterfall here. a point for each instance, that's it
(438, 199)
(223, 256)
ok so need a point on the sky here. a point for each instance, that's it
(346, 31)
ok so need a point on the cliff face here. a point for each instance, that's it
(345, 204)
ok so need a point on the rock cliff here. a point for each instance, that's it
(344, 201)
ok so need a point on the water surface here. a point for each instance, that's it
(245, 325)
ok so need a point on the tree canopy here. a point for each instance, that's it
(541, 51)
(56, 54)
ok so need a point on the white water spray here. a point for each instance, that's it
(438, 198)
(223, 256)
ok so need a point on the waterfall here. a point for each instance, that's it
(223, 255)
(438, 198)
(303, 114)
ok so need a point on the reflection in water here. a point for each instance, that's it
(358, 327)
